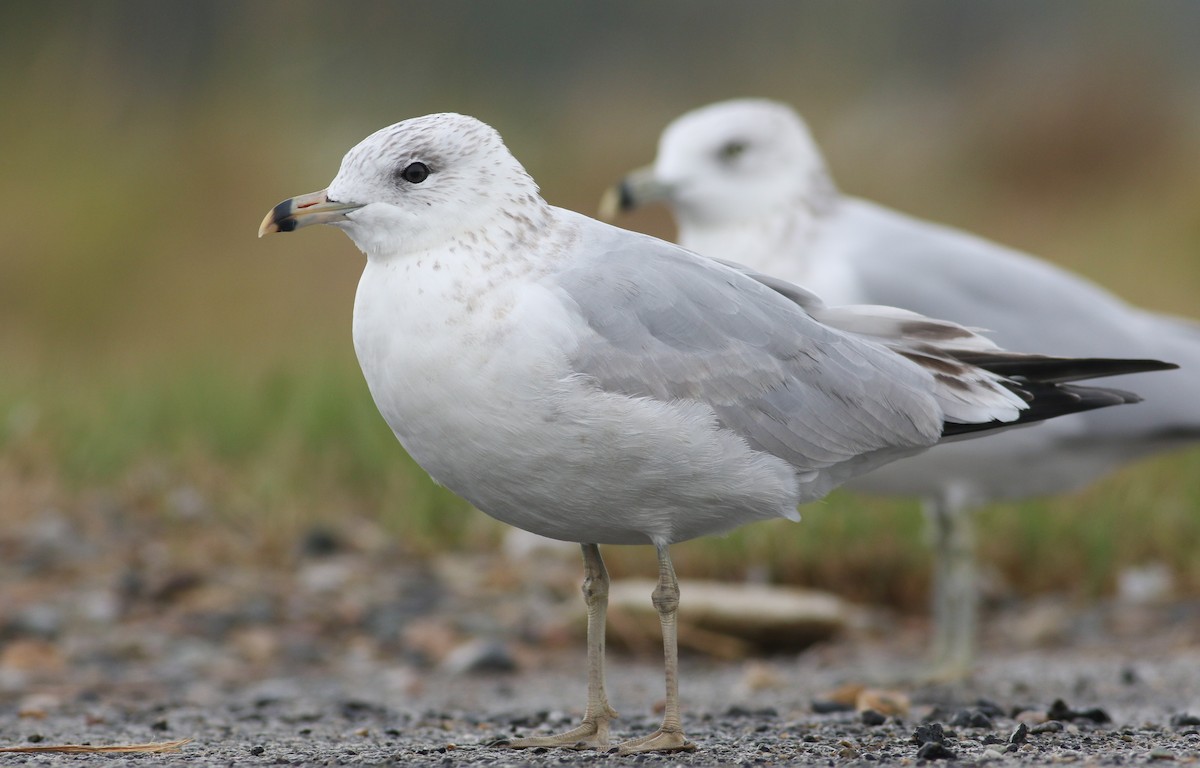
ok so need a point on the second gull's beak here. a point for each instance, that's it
(635, 190)
(296, 212)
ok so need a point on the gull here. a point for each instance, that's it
(745, 181)
(598, 386)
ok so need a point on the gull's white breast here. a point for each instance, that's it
(470, 367)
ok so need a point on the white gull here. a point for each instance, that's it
(746, 182)
(594, 385)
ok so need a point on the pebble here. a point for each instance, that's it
(930, 733)
(935, 750)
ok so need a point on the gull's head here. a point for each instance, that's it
(728, 162)
(414, 184)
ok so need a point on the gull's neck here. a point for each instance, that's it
(777, 241)
(482, 236)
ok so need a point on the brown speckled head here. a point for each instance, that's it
(422, 182)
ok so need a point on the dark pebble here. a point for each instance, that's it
(932, 733)
(871, 717)
(258, 750)
(989, 708)
(935, 750)
(1184, 719)
(1060, 711)
(1018, 736)
(320, 542)
(972, 718)
(825, 707)
(1095, 714)
(737, 710)
(1054, 726)
(160, 725)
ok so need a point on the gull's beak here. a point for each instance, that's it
(639, 188)
(296, 212)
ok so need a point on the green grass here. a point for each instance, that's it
(302, 445)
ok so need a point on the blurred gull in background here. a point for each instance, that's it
(594, 385)
(746, 182)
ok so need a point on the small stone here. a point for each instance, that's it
(933, 733)
(828, 706)
(1095, 714)
(935, 750)
(1059, 711)
(258, 750)
(991, 754)
(1018, 736)
(972, 718)
(1161, 754)
(1052, 726)
(872, 717)
(1184, 719)
(990, 708)
(161, 725)
(479, 656)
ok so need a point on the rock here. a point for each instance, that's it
(925, 734)
(728, 620)
(479, 656)
(971, 718)
(1053, 726)
(886, 702)
(1060, 711)
(1018, 736)
(872, 717)
(935, 750)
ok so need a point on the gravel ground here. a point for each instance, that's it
(1122, 708)
(349, 654)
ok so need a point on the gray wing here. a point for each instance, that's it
(1027, 304)
(666, 324)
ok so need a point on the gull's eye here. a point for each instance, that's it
(415, 173)
(731, 149)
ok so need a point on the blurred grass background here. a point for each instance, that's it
(148, 341)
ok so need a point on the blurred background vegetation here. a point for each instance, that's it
(153, 351)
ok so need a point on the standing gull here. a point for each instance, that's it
(594, 385)
(746, 181)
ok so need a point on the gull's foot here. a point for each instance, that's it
(659, 741)
(591, 734)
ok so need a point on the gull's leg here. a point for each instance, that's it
(955, 586)
(669, 737)
(592, 733)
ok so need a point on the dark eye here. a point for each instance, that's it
(415, 173)
(731, 149)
